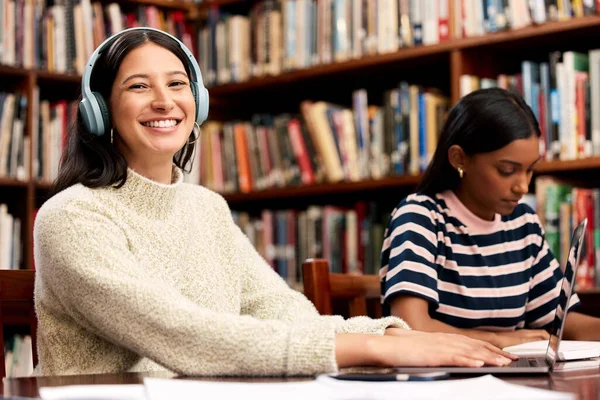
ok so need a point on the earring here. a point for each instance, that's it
(196, 127)
(111, 136)
(460, 172)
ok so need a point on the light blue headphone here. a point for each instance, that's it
(93, 108)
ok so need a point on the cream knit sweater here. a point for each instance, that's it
(153, 277)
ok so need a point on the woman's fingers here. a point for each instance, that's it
(465, 361)
(480, 350)
(501, 352)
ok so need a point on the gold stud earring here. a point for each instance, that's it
(112, 139)
(196, 127)
(460, 172)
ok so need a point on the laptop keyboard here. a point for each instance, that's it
(524, 362)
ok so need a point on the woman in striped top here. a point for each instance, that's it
(462, 255)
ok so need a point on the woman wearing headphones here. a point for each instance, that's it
(138, 271)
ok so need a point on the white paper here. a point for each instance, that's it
(483, 387)
(94, 392)
(567, 349)
(169, 389)
(324, 387)
(589, 364)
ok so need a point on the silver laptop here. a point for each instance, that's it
(531, 365)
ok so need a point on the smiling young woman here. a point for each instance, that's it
(462, 255)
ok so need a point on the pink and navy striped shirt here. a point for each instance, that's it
(494, 275)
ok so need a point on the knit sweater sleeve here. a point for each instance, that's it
(266, 295)
(83, 258)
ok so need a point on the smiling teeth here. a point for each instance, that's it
(161, 124)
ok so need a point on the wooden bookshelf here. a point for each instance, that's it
(452, 58)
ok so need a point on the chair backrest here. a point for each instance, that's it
(17, 307)
(323, 288)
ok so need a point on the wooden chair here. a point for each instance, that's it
(16, 307)
(323, 288)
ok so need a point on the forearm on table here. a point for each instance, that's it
(433, 325)
(581, 327)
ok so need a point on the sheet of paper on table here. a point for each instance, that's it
(323, 387)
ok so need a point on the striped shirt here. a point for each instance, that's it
(494, 275)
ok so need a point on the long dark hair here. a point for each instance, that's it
(92, 160)
(483, 121)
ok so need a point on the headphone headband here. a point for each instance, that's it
(89, 67)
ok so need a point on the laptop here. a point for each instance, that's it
(531, 365)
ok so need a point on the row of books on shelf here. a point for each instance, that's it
(325, 142)
(14, 144)
(10, 239)
(280, 35)
(276, 36)
(561, 207)
(283, 35)
(60, 36)
(349, 238)
(564, 95)
(51, 122)
(18, 356)
(49, 134)
(477, 17)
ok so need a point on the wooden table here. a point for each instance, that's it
(586, 384)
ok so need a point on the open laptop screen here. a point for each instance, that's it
(566, 290)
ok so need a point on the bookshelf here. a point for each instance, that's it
(440, 64)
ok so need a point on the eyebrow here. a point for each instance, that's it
(144, 76)
(518, 164)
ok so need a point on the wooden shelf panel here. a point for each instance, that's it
(57, 77)
(594, 291)
(43, 185)
(12, 182)
(530, 32)
(219, 3)
(322, 189)
(177, 5)
(7, 70)
(333, 68)
(546, 167)
(386, 183)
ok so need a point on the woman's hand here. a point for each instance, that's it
(408, 348)
(505, 339)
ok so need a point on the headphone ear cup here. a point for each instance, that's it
(104, 114)
(94, 114)
(201, 98)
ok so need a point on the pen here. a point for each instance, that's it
(391, 377)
